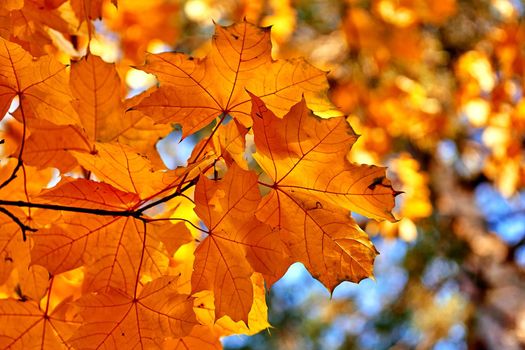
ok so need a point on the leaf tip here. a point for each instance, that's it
(249, 93)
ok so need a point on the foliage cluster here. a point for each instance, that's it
(102, 246)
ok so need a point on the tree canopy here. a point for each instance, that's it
(164, 163)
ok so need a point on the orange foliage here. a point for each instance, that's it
(123, 253)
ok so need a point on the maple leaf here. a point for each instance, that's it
(49, 145)
(114, 250)
(121, 167)
(297, 144)
(29, 22)
(201, 337)
(237, 245)
(42, 85)
(160, 257)
(32, 327)
(19, 185)
(257, 317)
(117, 320)
(308, 200)
(82, 193)
(193, 92)
(97, 87)
(229, 143)
(12, 249)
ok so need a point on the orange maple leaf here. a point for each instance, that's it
(42, 85)
(159, 257)
(193, 92)
(28, 326)
(310, 201)
(116, 320)
(238, 244)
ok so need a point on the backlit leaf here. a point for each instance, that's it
(117, 320)
(311, 209)
(42, 85)
(238, 244)
(299, 143)
(84, 193)
(194, 92)
(31, 327)
(114, 250)
(121, 167)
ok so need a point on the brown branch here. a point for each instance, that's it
(135, 213)
(101, 212)
(167, 198)
(23, 227)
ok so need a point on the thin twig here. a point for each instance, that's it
(16, 220)
(179, 219)
(101, 212)
(167, 198)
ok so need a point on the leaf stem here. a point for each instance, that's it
(179, 219)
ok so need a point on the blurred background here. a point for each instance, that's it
(435, 89)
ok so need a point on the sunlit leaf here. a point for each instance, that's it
(196, 91)
(238, 244)
(114, 319)
(41, 84)
(298, 144)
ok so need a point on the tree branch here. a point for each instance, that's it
(167, 198)
(16, 220)
(135, 213)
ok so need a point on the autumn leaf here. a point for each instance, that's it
(95, 88)
(82, 193)
(12, 252)
(103, 247)
(49, 145)
(31, 327)
(173, 236)
(257, 317)
(201, 337)
(115, 250)
(114, 319)
(29, 24)
(19, 186)
(194, 92)
(324, 238)
(121, 167)
(237, 245)
(229, 143)
(295, 145)
(42, 85)
(311, 209)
